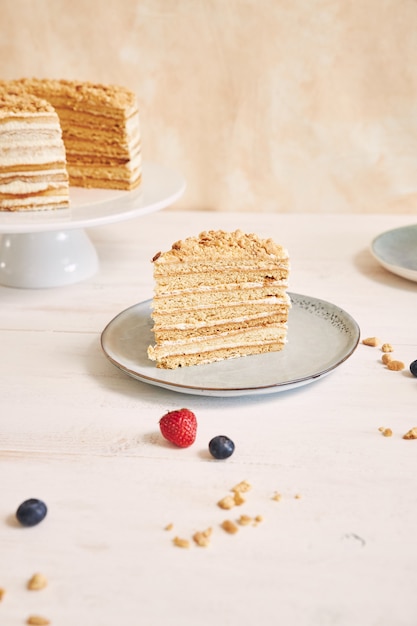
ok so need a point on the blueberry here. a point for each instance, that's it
(31, 512)
(221, 447)
(413, 368)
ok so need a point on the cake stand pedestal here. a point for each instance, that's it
(51, 248)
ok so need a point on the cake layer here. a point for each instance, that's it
(108, 147)
(211, 298)
(211, 316)
(46, 188)
(35, 203)
(224, 326)
(225, 264)
(234, 339)
(32, 176)
(114, 178)
(24, 168)
(173, 361)
(251, 278)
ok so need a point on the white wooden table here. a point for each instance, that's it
(83, 436)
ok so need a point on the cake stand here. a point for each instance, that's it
(51, 248)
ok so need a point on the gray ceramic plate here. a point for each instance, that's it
(396, 250)
(321, 336)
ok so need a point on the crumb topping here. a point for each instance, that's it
(20, 102)
(79, 91)
(220, 244)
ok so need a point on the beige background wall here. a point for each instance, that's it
(266, 105)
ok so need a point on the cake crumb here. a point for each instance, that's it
(277, 496)
(259, 518)
(387, 347)
(181, 543)
(37, 582)
(202, 538)
(386, 432)
(371, 341)
(242, 487)
(37, 620)
(238, 498)
(411, 434)
(297, 496)
(228, 502)
(386, 358)
(244, 520)
(169, 526)
(229, 526)
(396, 366)
(2, 593)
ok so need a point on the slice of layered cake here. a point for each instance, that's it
(33, 174)
(100, 127)
(218, 296)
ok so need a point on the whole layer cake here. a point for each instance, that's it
(100, 130)
(219, 296)
(33, 174)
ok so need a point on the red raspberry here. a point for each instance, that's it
(179, 427)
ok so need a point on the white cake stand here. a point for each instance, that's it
(51, 248)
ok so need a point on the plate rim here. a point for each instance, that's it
(235, 390)
(120, 205)
(395, 268)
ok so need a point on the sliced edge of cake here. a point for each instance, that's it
(33, 173)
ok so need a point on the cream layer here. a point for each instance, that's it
(23, 144)
(215, 301)
(133, 166)
(24, 147)
(49, 173)
(221, 287)
(226, 341)
(40, 155)
(25, 128)
(96, 146)
(103, 159)
(216, 322)
(30, 123)
(85, 111)
(91, 139)
(76, 126)
(20, 188)
(272, 300)
(194, 316)
(34, 202)
(200, 358)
